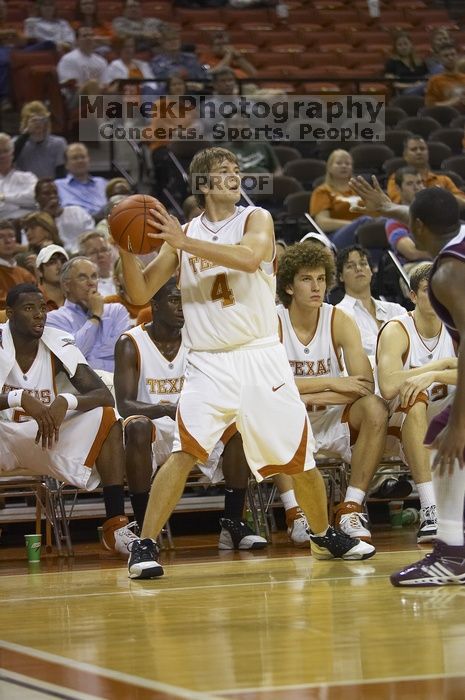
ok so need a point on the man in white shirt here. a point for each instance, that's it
(16, 187)
(81, 71)
(71, 221)
(355, 274)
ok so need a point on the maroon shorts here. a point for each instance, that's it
(438, 423)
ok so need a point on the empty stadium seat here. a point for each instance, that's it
(451, 137)
(456, 164)
(297, 203)
(393, 116)
(286, 153)
(369, 157)
(438, 152)
(395, 139)
(305, 170)
(423, 126)
(442, 113)
(392, 164)
(409, 103)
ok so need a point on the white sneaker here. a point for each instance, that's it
(123, 537)
(298, 530)
(353, 524)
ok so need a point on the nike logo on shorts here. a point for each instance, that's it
(275, 388)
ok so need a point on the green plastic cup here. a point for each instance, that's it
(33, 544)
(395, 513)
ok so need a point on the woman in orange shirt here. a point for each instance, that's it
(331, 202)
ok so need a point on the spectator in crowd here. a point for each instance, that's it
(171, 59)
(79, 186)
(11, 37)
(144, 30)
(409, 182)
(49, 263)
(11, 273)
(167, 128)
(71, 221)
(125, 67)
(331, 202)
(36, 149)
(121, 297)
(223, 54)
(41, 231)
(47, 27)
(416, 154)
(16, 187)
(253, 156)
(354, 273)
(447, 88)
(405, 65)
(439, 37)
(116, 189)
(96, 326)
(27, 260)
(224, 81)
(81, 71)
(190, 208)
(86, 15)
(96, 247)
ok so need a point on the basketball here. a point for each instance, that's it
(128, 224)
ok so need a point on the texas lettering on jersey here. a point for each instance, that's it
(310, 368)
(165, 386)
(43, 395)
(200, 264)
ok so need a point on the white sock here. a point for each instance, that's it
(288, 499)
(426, 494)
(355, 495)
(449, 490)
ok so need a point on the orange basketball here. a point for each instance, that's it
(128, 224)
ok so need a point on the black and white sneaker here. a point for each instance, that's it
(143, 559)
(235, 534)
(428, 525)
(335, 544)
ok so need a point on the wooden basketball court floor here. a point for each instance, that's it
(270, 625)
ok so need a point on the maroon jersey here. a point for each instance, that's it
(454, 249)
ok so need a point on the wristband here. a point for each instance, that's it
(71, 400)
(14, 398)
(97, 317)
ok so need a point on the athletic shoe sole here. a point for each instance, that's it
(145, 570)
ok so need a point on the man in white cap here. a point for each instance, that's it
(49, 262)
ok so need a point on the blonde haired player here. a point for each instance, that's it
(417, 370)
(237, 369)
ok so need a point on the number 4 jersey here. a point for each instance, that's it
(225, 308)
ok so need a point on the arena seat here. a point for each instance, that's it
(456, 164)
(369, 157)
(458, 122)
(305, 170)
(451, 137)
(393, 116)
(395, 138)
(438, 152)
(372, 234)
(422, 126)
(297, 203)
(286, 153)
(409, 103)
(392, 164)
(441, 113)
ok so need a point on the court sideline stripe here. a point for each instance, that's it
(52, 690)
(85, 677)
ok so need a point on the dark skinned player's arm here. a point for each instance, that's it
(126, 383)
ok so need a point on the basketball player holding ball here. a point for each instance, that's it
(237, 371)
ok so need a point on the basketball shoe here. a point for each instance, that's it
(143, 559)
(235, 534)
(351, 519)
(117, 534)
(297, 527)
(443, 566)
(335, 544)
(428, 525)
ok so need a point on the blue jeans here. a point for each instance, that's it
(346, 235)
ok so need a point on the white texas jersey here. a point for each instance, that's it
(225, 308)
(39, 381)
(160, 380)
(421, 350)
(317, 359)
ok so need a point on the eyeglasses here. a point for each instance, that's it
(355, 265)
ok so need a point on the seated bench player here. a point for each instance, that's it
(150, 363)
(416, 372)
(73, 437)
(319, 339)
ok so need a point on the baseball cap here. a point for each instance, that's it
(46, 253)
(319, 237)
